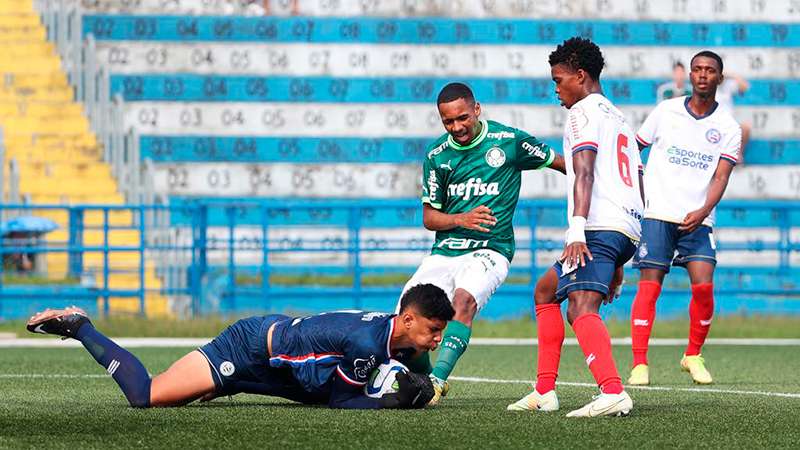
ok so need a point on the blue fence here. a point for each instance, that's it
(225, 257)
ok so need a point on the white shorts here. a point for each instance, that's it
(480, 273)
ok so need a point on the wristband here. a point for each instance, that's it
(576, 233)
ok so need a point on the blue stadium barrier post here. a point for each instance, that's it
(355, 253)
(230, 213)
(532, 224)
(199, 254)
(75, 242)
(142, 261)
(265, 269)
(106, 269)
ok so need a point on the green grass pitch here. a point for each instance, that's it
(60, 398)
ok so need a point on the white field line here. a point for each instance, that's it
(643, 388)
(197, 342)
(467, 379)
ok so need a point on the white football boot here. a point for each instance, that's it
(606, 405)
(536, 402)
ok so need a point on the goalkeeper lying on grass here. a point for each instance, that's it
(323, 359)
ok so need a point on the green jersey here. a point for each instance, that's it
(457, 179)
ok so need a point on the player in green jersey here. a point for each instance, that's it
(471, 179)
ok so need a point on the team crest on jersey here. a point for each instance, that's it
(362, 367)
(227, 368)
(642, 250)
(713, 135)
(495, 157)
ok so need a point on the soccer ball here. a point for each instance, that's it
(382, 380)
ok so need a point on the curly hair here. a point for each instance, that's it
(578, 53)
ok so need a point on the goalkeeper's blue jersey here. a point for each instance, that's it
(349, 345)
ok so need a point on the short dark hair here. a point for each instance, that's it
(709, 54)
(429, 300)
(455, 91)
(579, 53)
(678, 64)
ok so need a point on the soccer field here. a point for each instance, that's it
(60, 398)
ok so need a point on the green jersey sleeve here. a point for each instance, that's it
(433, 182)
(532, 153)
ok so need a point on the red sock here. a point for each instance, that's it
(701, 309)
(596, 345)
(642, 316)
(550, 333)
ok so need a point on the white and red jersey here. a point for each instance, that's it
(595, 124)
(685, 151)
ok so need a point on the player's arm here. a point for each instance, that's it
(742, 85)
(641, 182)
(645, 137)
(479, 219)
(414, 391)
(719, 182)
(434, 197)
(348, 396)
(576, 251)
(558, 164)
(533, 154)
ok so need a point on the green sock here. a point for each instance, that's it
(454, 344)
(421, 364)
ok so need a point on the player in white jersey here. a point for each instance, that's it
(694, 144)
(604, 209)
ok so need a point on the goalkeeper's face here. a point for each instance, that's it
(424, 333)
(461, 119)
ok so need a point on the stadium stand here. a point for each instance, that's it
(327, 102)
(50, 139)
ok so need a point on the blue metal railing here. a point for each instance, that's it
(222, 268)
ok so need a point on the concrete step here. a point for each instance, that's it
(40, 109)
(77, 199)
(30, 45)
(35, 80)
(90, 170)
(22, 33)
(16, 7)
(96, 237)
(43, 93)
(64, 140)
(67, 186)
(13, 67)
(128, 261)
(91, 218)
(77, 124)
(156, 305)
(55, 155)
(19, 19)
